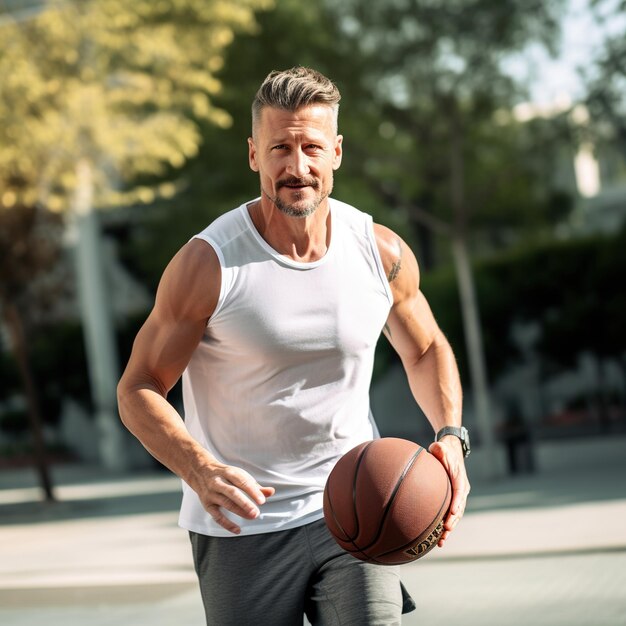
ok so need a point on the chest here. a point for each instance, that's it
(274, 309)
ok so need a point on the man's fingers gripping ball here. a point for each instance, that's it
(450, 455)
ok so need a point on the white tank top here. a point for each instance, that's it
(279, 384)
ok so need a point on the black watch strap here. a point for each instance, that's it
(457, 431)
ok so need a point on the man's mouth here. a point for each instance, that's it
(293, 184)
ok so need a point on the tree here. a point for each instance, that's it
(606, 80)
(435, 72)
(563, 292)
(117, 84)
(98, 97)
(29, 246)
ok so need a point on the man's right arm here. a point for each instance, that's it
(186, 298)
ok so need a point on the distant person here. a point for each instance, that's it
(271, 315)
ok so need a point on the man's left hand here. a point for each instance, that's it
(449, 451)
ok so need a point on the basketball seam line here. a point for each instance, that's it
(332, 508)
(426, 532)
(356, 473)
(405, 471)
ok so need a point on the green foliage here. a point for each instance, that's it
(569, 289)
(8, 373)
(113, 88)
(401, 91)
(14, 423)
(606, 76)
(59, 368)
(220, 178)
(119, 83)
(440, 143)
(30, 245)
(57, 355)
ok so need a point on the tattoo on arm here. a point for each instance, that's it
(397, 265)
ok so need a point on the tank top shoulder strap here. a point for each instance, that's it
(362, 225)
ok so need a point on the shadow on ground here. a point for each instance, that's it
(37, 512)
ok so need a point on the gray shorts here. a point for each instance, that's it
(273, 579)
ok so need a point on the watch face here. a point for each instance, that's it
(465, 440)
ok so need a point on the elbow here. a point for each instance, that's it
(437, 346)
(135, 393)
(128, 399)
(440, 341)
(122, 402)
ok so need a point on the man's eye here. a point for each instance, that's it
(280, 146)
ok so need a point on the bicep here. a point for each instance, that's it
(410, 327)
(162, 350)
(186, 298)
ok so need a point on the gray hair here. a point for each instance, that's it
(295, 88)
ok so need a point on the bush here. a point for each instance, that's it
(570, 290)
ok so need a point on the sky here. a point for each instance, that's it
(555, 79)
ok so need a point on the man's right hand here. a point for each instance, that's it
(231, 488)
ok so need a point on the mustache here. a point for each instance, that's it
(294, 181)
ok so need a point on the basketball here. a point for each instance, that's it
(385, 501)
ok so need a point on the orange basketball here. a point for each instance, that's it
(385, 501)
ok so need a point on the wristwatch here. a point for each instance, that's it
(460, 432)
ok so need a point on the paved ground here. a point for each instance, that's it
(540, 550)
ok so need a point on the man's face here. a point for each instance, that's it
(295, 155)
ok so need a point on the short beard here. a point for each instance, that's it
(290, 209)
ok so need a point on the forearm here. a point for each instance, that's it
(429, 364)
(435, 384)
(157, 425)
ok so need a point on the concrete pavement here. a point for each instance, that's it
(543, 549)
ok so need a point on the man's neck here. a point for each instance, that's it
(303, 239)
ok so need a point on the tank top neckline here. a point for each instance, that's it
(282, 258)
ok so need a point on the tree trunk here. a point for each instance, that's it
(18, 339)
(475, 353)
(604, 418)
(97, 317)
(622, 365)
(469, 305)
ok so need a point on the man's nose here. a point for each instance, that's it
(298, 164)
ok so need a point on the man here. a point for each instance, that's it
(271, 315)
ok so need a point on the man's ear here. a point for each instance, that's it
(338, 152)
(252, 155)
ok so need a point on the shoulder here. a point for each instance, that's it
(399, 262)
(390, 246)
(190, 284)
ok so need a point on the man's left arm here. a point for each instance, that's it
(428, 361)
